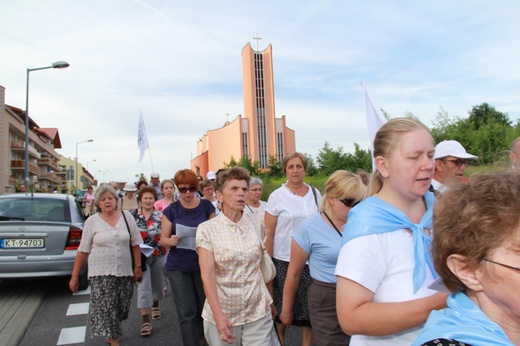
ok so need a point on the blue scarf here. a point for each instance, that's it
(373, 216)
(462, 321)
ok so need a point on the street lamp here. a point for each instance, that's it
(90, 162)
(57, 64)
(77, 173)
(104, 174)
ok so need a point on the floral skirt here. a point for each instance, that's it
(110, 300)
(300, 307)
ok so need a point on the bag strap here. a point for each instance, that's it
(315, 197)
(127, 228)
(257, 231)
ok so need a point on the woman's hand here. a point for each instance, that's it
(138, 274)
(286, 317)
(73, 284)
(273, 311)
(225, 329)
(174, 240)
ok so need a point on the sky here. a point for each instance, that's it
(179, 64)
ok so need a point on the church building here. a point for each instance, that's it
(258, 133)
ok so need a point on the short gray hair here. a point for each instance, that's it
(255, 181)
(101, 191)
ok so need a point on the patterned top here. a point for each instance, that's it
(150, 230)
(242, 293)
(108, 247)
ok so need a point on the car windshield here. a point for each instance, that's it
(35, 209)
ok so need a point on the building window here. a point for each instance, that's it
(260, 111)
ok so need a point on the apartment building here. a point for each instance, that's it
(45, 173)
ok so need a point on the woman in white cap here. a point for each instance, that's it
(129, 200)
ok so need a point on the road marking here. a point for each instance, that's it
(80, 293)
(74, 335)
(78, 309)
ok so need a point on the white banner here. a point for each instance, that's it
(142, 138)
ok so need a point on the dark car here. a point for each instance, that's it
(39, 234)
(81, 195)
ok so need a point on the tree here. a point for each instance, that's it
(484, 114)
(486, 133)
(246, 162)
(312, 169)
(275, 167)
(330, 160)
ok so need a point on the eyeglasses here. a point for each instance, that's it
(187, 189)
(459, 162)
(349, 202)
(502, 264)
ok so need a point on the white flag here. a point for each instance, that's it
(375, 119)
(142, 138)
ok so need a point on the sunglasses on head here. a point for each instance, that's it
(187, 189)
(349, 202)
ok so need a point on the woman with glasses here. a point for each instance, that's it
(318, 241)
(384, 267)
(254, 204)
(476, 251)
(179, 228)
(287, 206)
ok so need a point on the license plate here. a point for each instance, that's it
(21, 243)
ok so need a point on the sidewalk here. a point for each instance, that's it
(19, 302)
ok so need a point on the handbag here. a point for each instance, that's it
(83, 277)
(266, 263)
(143, 257)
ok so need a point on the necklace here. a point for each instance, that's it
(332, 223)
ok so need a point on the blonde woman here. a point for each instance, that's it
(384, 266)
(317, 241)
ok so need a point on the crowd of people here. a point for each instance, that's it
(415, 254)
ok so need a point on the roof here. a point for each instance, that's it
(52, 133)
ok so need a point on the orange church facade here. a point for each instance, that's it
(258, 134)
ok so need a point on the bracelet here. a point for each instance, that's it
(137, 266)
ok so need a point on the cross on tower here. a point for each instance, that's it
(257, 39)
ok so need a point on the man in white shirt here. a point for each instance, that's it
(450, 164)
(514, 153)
(155, 182)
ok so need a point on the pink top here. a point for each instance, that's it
(161, 204)
(89, 199)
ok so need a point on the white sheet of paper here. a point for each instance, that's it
(438, 285)
(147, 250)
(187, 235)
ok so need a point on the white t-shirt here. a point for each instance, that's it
(384, 263)
(260, 211)
(290, 209)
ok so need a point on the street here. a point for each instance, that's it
(62, 318)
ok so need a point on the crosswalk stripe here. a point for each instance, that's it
(78, 309)
(74, 335)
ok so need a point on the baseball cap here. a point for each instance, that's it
(211, 175)
(452, 148)
(155, 175)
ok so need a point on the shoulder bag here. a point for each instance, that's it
(266, 263)
(143, 257)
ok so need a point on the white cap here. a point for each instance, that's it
(130, 187)
(452, 148)
(155, 175)
(211, 175)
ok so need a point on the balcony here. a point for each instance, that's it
(20, 147)
(49, 162)
(50, 177)
(19, 165)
